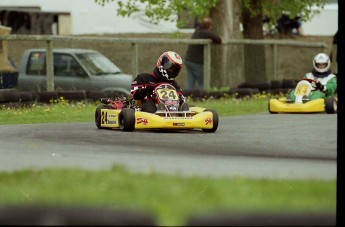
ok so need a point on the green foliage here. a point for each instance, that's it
(157, 10)
(273, 9)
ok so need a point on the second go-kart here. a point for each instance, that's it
(126, 114)
(303, 103)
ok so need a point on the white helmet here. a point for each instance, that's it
(321, 63)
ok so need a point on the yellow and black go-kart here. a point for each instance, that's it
(302, 103)
(126, 114)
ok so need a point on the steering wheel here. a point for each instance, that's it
(313, 83)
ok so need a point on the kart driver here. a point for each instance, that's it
(325, 81)
(167, 69)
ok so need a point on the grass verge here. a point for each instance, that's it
(171, 200)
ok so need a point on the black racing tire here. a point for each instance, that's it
(73, 95)
(278, 91)
(215, 121)
(243, 92)
(261, 86)
(287, 83)
(25, 96)
(127, 120)
(275, 84)
(215, 94)
(98, 115)
(47, 96)
(331, 105)
(9, 95)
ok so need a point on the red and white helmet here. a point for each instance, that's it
(169, 64)
(321, 63)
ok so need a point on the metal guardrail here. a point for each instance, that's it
(50, 39)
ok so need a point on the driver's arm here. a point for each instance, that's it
(138, 89)
(331, 87)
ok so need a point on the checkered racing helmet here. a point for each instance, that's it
(169, 65)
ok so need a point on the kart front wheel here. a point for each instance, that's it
(98, 115)
(331, 105)
(215, 121)
(127, 120)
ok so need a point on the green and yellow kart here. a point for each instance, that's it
(302, 102)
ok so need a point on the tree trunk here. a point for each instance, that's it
(227, 58)
(255, 64)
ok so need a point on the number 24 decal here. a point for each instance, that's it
(104, 118)
(166, 94)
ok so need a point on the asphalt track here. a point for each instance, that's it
(286, 146)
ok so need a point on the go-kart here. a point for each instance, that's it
(303, 103)
(126, 114)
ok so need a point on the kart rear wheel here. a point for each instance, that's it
(98, 115)
(127, 120)
(215, 121)
(331, 105)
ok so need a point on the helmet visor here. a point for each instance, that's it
(172, 69)
(321, 65)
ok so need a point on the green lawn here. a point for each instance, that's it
(169, 199)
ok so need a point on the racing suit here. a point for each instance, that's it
(327, 79)
(140, 92)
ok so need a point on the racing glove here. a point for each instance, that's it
(149, 89)
(319, 85)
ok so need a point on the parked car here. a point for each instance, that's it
(74, 69)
